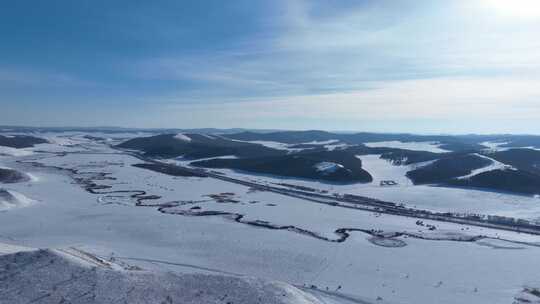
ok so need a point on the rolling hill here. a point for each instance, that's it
(333, 166)
(196, 146)
(20, 141)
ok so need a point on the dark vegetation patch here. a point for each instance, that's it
(8, 176)
(522, 141)
(445, 169)
(288, 137)
(298, 165)
(259, 159)
(167, 169)
(522, 159)
(503, 180)
(20, 141)
(6, 196)
(200, 146)
(307, 146)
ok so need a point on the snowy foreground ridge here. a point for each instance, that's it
(73, 276)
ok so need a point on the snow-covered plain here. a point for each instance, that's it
(441, 270)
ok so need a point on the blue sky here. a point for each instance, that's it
(427, 66)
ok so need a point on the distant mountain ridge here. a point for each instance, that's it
(298, 154)
(20, 141)
(448, 142)
(199, 146)
(345, 167)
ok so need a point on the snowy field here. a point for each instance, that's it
(413, 145)
(404, 262)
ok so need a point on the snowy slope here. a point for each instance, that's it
(8, 151)
(10, 199)
(182, 137)
(328, 167)
(74, 276)
(495, 165)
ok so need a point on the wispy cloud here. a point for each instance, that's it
(455, 100)
(429, 97)
(28, 78)
(300, 63)
(319, 52)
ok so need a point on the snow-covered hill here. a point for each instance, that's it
(74, 276)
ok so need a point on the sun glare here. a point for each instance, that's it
(516, 8)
